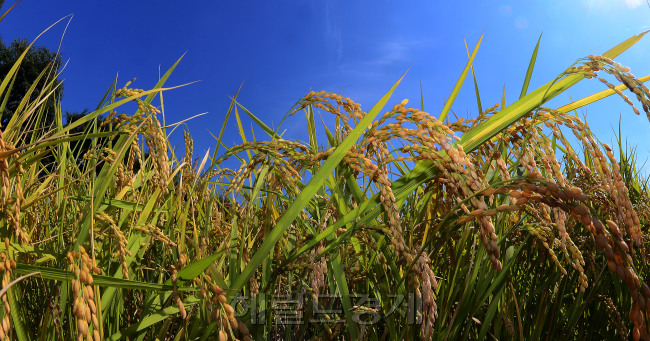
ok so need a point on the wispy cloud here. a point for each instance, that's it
(396, 50)
(393, 52)
(333, 31)
(632, 4)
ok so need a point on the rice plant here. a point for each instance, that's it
(516, 224)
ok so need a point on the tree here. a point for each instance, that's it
(38, 58)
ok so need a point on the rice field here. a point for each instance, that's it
(401, 224)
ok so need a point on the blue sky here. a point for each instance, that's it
(282, 49)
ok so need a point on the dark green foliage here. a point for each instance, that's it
(38, 58)
(81, 147)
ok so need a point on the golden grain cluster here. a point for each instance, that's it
(516, 223)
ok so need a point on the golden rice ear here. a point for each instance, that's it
(474, 225)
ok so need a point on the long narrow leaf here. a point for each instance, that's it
(459, 83)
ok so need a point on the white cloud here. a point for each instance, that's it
(632, 4)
